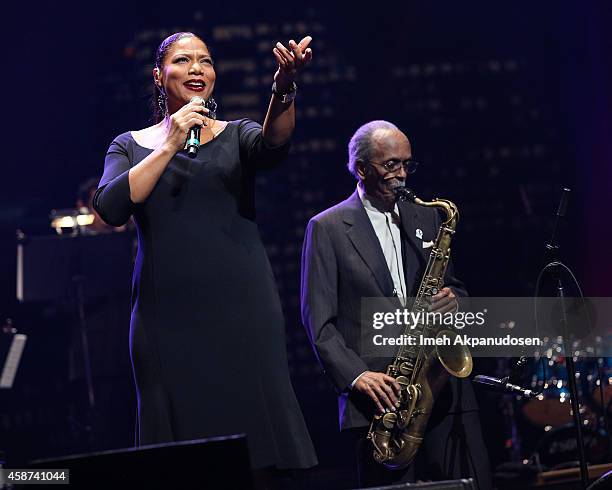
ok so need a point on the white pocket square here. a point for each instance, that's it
(427, 244)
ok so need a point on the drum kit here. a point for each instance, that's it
(551, 410)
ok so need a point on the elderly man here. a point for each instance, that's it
(370, 246)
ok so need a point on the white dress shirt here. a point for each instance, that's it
(386, 225)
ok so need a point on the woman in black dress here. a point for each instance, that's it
(207, 332)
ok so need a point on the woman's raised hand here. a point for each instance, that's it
(290, 61)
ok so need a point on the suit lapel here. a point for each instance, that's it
(414, 263)
(361, 234)
(411, 222)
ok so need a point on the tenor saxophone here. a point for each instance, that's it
(420, 371)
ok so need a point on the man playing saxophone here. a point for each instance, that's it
(372, 246)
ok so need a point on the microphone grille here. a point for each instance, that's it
(197, 99)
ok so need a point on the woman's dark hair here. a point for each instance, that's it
(160, 55)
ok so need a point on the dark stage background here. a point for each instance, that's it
(504, 104)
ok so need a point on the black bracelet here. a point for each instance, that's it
(278, 92)
(287, 96)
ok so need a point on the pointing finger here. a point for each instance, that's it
(295, 49)
(279, 58)
(284, 52)
(303, 44)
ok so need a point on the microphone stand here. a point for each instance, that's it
(508, 409)
(552, 251)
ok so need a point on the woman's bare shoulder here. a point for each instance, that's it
(148, 137)
(153, 136)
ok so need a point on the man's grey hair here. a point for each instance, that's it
(360, 146)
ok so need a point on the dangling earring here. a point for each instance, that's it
(211, 105)
(161, 102)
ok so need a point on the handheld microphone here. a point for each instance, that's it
(193, 141)
(497, 384)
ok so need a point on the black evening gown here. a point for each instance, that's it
(207, 332)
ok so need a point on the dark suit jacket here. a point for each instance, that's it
(342, 262)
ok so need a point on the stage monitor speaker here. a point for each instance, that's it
(440, 485)
(218, 462)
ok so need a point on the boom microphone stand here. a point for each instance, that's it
(554, 266)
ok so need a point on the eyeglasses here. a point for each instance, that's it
(392, 166)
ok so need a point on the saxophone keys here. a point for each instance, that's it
(405, 368)
(403, 419)
(389, 420)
